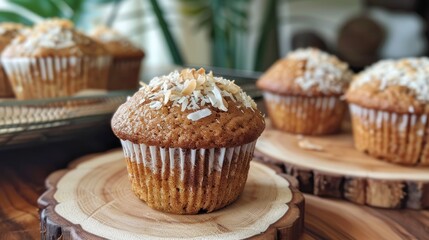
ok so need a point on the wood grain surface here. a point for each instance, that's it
(338, 170)
(22, 176)
(94, 197)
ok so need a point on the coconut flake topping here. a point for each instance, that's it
(13, 28)
(195, 116)
(194, 90)
(412, 73)
(52, 33)
(322, 70)
(106, 34)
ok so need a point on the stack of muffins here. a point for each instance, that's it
(388, 102)
(53, 59)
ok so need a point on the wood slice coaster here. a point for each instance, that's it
(93, 200)
(340, 171)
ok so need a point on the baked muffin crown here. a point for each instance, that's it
(117, 44)
(8, 31)
(400, 86)
(189, 109)
(53, 37)
(307, 72)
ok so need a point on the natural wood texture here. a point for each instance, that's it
(22, 175)
(88, 199)
(340, 171)
(338, 219)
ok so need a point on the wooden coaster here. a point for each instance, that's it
(93, 199)
(338, 170)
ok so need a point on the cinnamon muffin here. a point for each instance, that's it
(302, 92)
(125, 70)
(55, 60)
(389, 104)
(188, 138)
(8, 31)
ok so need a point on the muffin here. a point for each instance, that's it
(389, 105)
(188, 138)
(7, 32)
(125, 70)
(55, 60)
(302, 92)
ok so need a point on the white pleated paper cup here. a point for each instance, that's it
(5, 88)
(187, 181)
(393, 137)
(124, 74)
(49, 77)
(305, 115)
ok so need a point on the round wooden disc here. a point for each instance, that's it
(339, 170)
(94, 199)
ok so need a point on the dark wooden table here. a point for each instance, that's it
(23, 171)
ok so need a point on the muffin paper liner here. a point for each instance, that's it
(187, 181)
(393, 137)
(5, 88)
(124, 74)
(56, 76)
(305, 115)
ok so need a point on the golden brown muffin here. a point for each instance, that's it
(8, 31)
(188, 139)
(55, 60)
(302, 92)
(389, 108)
(125, 71)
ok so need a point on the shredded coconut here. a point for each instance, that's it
(322, 70)
(106, 34)
(192, 90)
(53, 33)
(306, 144)
(195, 116)
(412, 73)
(14, 28)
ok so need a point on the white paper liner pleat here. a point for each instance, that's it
(305, 115)
(392, 136)
(5, 88)
(371, 116)
(158, 161)
(56, 76)
(187, 181)
(322, 103)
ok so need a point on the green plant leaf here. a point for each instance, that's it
(43, 8)
(194, 10)
(267, 52)
(171, 43)
(6, 16)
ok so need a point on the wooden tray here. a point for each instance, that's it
(340, 171)
(92, 199)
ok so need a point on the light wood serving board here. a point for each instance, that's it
(340, 171)
(92, 199)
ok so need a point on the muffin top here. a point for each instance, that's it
(400, 86)
(9, 31)
(189, 109)
(118, 45)
(307, 72)
(53, 37)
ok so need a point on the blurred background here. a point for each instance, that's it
(239, 39)
(245, 34)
